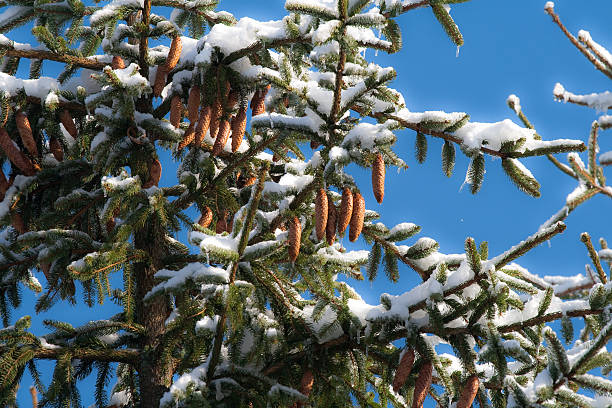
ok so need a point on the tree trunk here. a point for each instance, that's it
(154, 377)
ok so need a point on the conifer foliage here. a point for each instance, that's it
(261, 118)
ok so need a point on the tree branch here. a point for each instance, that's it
(83, 62)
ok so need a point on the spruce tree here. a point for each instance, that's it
(261, 119)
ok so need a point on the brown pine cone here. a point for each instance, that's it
(346, 210)
(176, 111)
(25, 131)
(56, 149)
(4, 185)
(321, 210)
(403, 370)
(68, 123)
(155, 171)
(295, 238)
(160, 80)
(203, 125)
(18, 224)
(110, 225)
(193, 103)
(206, 217)
(421, 387)
(222, 137)
(174, 54)
(378, 178)
(221, 226)
(15, 155)
(232, 100)
(258, 105)
(332, 221)
(117, 63)
(216, 115)
(238, 128)
(469, 392)
(356, 224)
(306, 385)
(188, 137)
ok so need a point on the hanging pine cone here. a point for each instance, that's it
(206, 217)
(295, 238)
(4, 185)
(216, 115)
(188, 137)
(15, 155)
(155, 171)
(306, 385)
(176, 110)
(45, 267)
(221, 226)
(232, 100)
(346, 210)
(25, 131)
(421, 387)
(378, 178)
(258, 105)
(56, 148)
(174, 54)
(18, 224)
(117, 63)
(238, 128)
(68, 123)
(321, 211)
(403, 370)
(356, 224)
(470, 389)
(160, 80)
(203, 125)
(193, 103)
(222, 137)
(332, 221)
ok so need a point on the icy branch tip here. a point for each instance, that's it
(549, 6)
(514, 103)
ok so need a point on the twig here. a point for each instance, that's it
(83, 62)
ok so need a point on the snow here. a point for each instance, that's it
(550, 5)
(120, 398)
(601, 52)
(193, 272)
(111, 9)
(605, 121)
(179, 386)
(367, 135)
(515, 103)
(324, 31)
(598, 101)
(475, 135)
(207, 323)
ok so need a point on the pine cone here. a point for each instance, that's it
(176, 111)
(117, 63)
(321, 211)
(56, 149)
(421, 387)
(332, 221)
(4, 185)
(295, 238)
(18, 224)
(110, 225)
(346, 210)
(232, 100)
(68, 123)
(221, 226)
(238, 127)
(187, 137)
(469, 392)
(258, 105)
(203, 125)
(174, 54)
(216, 115)
(378, 178)
(306, 385)
(206, 217)
(193, 103)
(155, 171)
(222, 136)
(403, 370)
(25, 131)
(356, 224)
(160, 80)
(15, 155)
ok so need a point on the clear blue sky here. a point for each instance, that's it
(510, 47)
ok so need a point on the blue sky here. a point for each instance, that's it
(510, 47)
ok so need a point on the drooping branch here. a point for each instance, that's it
(84, 62)
(112, 356)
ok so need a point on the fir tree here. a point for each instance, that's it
(258, 317)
